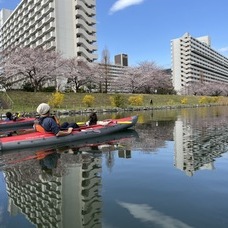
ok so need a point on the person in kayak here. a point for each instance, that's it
(11, 117)
(92, 119)
(50, 123)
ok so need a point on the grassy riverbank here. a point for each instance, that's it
(28, 101)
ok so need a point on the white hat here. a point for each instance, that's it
(43, 108)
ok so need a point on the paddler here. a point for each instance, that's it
(51, 124)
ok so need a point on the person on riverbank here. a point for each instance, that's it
(50, 123)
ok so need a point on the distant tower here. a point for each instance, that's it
(121, 59)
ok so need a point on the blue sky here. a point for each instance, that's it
(143, 29)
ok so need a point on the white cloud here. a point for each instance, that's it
(122, 4)
(224, 49)
(145, 213)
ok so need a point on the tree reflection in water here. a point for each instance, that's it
(59, 186)
(70, 194)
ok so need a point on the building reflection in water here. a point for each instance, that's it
(69, 200)
(198, 144)
(60, 189)
(68, 194)
(199, 135)
(124, 153)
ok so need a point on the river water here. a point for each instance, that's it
(169, 171)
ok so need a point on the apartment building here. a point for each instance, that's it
(66, 26)
(4, 14)
(193, 60)
(113, 73)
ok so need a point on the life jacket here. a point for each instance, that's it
(39, 128)
(38, 124)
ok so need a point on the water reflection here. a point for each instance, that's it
(198, 143)
(61, 187)
(199, 135)
(145, 213)
(54, 195)
(153, 135)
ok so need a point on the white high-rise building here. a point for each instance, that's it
(193, 60)
(67, 26)
(4, 14)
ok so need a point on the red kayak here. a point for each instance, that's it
(92, 145)
(18, 123)
(38, 139)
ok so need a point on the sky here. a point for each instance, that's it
(143, 29)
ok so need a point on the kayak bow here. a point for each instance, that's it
(19, 123)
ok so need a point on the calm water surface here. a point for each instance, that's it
(169, 171)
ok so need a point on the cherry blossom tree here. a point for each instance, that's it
(207, 89)
(147, 77)
(78, 72)
(129, 81)
(154, 79)
(99, 77)
(35, 66)
(96, 77)
(3, 80)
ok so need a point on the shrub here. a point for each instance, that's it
(56, 99)
(48, 89)
(207, 100)
(222, 100)
(88, 100)
(203, 100)
(170, 102)
(117, 101)
(184, 101)
(214, 99)
(135, 100)
(27, 87)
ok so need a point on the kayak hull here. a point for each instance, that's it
(78, 144)
(19, 123)
(37, 139)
